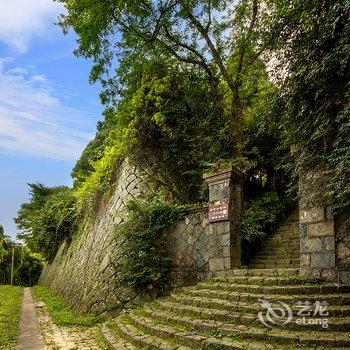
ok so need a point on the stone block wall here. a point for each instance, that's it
(84, 270)
(317, 233)
(189, 243)
(342, 235)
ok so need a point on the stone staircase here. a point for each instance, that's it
(228, 313)
(282, 250)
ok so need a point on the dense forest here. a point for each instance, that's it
(189, 86)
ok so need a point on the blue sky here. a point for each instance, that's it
(48, 110)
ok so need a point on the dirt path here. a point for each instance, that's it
(29, 336)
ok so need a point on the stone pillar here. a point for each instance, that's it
(317, 233)
(225, 206)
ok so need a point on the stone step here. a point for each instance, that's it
(294, 254)
(274, 256)
(244, 307)
(267, 280)
(290, 224)
(281, 249)
(272, 246)
(283, 242)
(328, 288)
(187, 335)
(265, 272)
(251, 332)
(233, 296)
(292, 231)
(284, 236)
(277, 257)
(115, 341)
(338, 324)
(269, 266)
(145, 340)
(277, 261)
(282, 245)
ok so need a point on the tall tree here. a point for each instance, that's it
(220, 37)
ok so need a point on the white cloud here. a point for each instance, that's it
(22, 20)
(34, 121)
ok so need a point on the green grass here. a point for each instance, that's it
(61, 313)
(101, 341)
(10, 312)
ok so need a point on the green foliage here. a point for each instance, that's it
(10, 310)
(314, 103)
(48, 219)
(146, 263)
(61, 313)
(97, 182)
(163, 124)
(168, 122)
(91, 154)
(262, 215)
(219, 39)
(173, 116)
(27, 265)
(184, 104)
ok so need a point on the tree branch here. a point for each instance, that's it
(214, 51)
(246, 40)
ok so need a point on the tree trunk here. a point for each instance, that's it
(237, 126)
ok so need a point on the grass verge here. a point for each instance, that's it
(61, 313)
(101, 341)
(10, 313)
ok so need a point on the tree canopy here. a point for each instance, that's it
(189, 85)
(221, 38)
(313, 49)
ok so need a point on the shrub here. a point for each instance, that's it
(146, 264)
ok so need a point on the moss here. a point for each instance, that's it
(61, 313)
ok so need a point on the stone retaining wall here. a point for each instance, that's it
(84, 270)
(342, 234)
(189, 248)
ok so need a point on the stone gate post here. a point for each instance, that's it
(225, 206)
(317, 232)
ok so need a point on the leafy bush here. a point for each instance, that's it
(146, 263)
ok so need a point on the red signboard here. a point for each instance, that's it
(218, 212)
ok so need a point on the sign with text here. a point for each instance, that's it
(218, 212)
